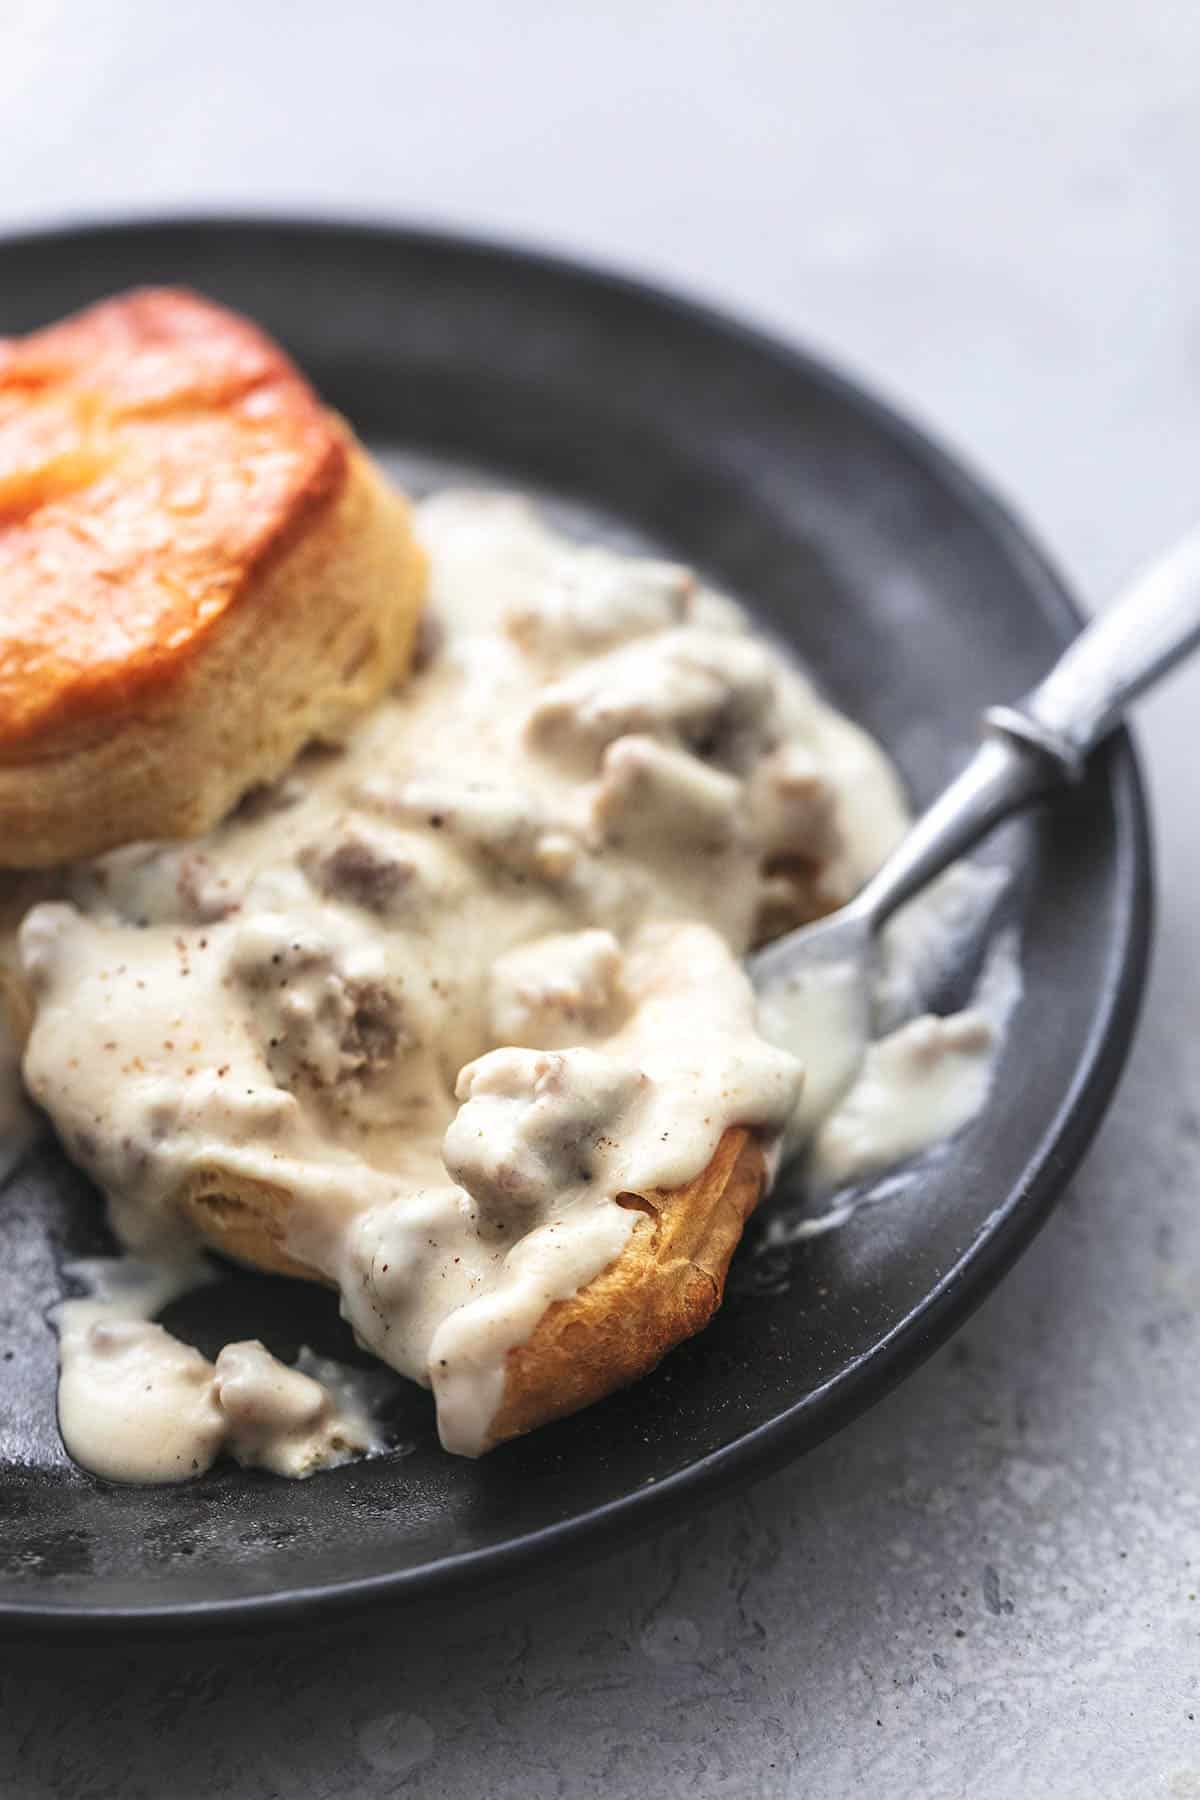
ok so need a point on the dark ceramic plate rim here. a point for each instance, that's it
(1010, 1227)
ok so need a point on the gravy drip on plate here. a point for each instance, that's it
(456, 984)
(135, 1404)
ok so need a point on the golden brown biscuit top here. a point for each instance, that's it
(155, 451)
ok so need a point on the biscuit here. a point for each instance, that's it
(200, 572)
(666, 1284)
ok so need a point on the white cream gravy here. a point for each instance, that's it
(917, 1086)
(457, 984)
(136, 1404)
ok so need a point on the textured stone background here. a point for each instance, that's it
(989, 1586)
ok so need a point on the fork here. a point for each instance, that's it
(1027, 748)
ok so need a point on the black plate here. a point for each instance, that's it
(916, 599)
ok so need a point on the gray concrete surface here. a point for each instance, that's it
(988, 1587)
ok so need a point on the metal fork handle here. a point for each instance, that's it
(1047, 737)
(1005, 774)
